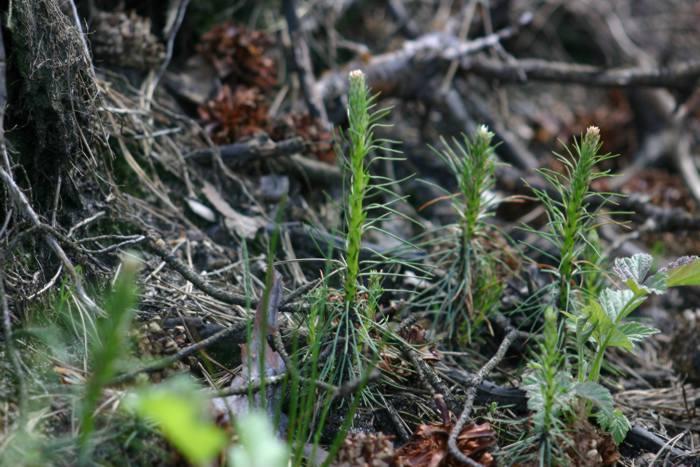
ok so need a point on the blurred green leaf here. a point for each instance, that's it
(258, 445)
(178, 409)
(109, 348)
(684, 271)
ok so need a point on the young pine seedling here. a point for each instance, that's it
(355, 349)
(569, 216)
(473, 163)
(361, 141)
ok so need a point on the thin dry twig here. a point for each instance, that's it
(177, 15)
(339, 392)
(477, 379)
(12, 354)
(157, 245)
(427, 376)
(302, 63)
(257, 149)
(182, 354)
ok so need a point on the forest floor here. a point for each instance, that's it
(185, 235)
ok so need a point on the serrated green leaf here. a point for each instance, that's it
(636, 332)
(619, 339)
(633, 271)
(600, 323)
(597, 315)
(657, 283)
(683, 272)
(614, 302)
(634, 268)
(615, 423)
(595, 393)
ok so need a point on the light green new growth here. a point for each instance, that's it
(360, 134)
(177, 407)
(258, 445)
(548, 390)
(606, 318)
(112, 332)
(474, 165)
(569, 215)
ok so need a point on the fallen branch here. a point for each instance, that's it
(157, 246)
(407, 26)
(428, 377)
(239, 154)
(339, 392)
(175, 16)
(686, 165)
(397, 72)
(680, 75)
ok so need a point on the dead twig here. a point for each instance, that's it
(176, 14)
(477, 379)
(257, 149)
(427, 376)
(397, 72)
(680, 75)
(81, 34)
(12, 354)
(25, 207)
(686, 166)
(182, 354)
(406, 25)
(301, 59)
(253, 386)
(339, 392)
(157, 245)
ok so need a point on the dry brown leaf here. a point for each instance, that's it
(234, 114)
(245, 226)
(238, 54)
(592, 447)
(428, 446)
